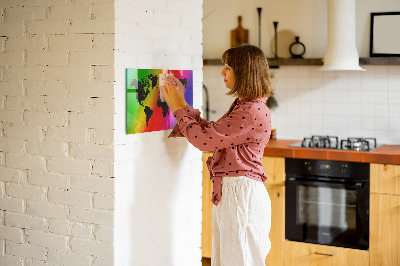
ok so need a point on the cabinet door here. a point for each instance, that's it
(385, 178)
(206, 226)
(384, 229)
(274, 168)
(277, 233)
(304, 254)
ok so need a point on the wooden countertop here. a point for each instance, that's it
(389, 154)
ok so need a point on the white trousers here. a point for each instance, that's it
(241, 223)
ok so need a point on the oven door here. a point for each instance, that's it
(327, 213)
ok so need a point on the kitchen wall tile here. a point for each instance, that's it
(381, 97)
(380, 71)
(355, 96)
(368, 123)
(381, 136)
(394, 97)
(394, 83)
(394, 110)
(394, 137)
(367, 110)
(355, 109)
(367, 96)
(291, 71)
(394, 123)
(382, 110)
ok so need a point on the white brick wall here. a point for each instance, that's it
(56, 132)
(156, 177)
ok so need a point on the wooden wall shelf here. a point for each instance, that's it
(274, 63)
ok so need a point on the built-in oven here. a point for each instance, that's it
(327, 202)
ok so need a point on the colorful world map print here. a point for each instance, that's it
(145, 110)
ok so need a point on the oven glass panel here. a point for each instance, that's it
(326, 207)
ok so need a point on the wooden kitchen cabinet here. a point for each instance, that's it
(274, 168)
(206, 225)
(384, 237)
(305, 254)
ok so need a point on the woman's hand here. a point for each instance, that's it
(174, 94)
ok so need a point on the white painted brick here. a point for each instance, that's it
(12, 29)
(47, 58)
(46, 88)
(70, 166)
(104, 73)
(82, 230)
(46, 209)
(91, 247)
(190, 48)
(74, 135)
(94, 216)
(101, 136)
(92, 151)
(21, 43)
(11, 233)
(70, 43)
(11, 260)
(24, 13)
(47, 27)
(68, 258)
(12, 145)
(3, 44)
(25, 103)
(93, 184)
(104, 233)
(24, 73)
(104, 169)
(24, 132)
(25, 191)
(81, 73)
(104, 11)
(25, 250)
(12, 204)
(103, 41)
(25, 161)
(107, 259)
(46, 240)
(96, 57)
(2, 222)
(70, 12)
(60, 227)
(32, 262)
(11, 117)
(46, 118)
(56, 149)
(91, 89)
(11, 88)
(103, 202)
(25, 221)
(91, 26)
(69, 197)
(96, 105)
(48, 179)
(2, 158)
(98, 120)
(45, 2)
(11, 59)
(56, 103)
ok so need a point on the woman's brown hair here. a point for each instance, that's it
(250, 66)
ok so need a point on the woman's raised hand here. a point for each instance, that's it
(174, 93)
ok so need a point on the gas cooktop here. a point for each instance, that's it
(332, 142)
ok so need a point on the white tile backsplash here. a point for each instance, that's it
(343, 103)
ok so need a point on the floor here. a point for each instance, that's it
(206, 261)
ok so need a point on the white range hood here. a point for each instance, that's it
(341, 51)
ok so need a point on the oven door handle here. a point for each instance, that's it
(357, 185)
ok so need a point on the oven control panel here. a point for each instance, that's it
(338, 169)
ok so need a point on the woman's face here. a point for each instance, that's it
(229, 76)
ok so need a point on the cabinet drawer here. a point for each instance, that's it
(304, 254)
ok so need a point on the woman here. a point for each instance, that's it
(242, 211)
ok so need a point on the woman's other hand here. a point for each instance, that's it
(181, 91)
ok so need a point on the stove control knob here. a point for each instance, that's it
(343, 168)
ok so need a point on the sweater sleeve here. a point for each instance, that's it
(193, 113)
(229, 131)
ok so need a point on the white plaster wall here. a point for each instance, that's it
(158, 180)
(311, 102)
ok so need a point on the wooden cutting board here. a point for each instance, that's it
(239, 35)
